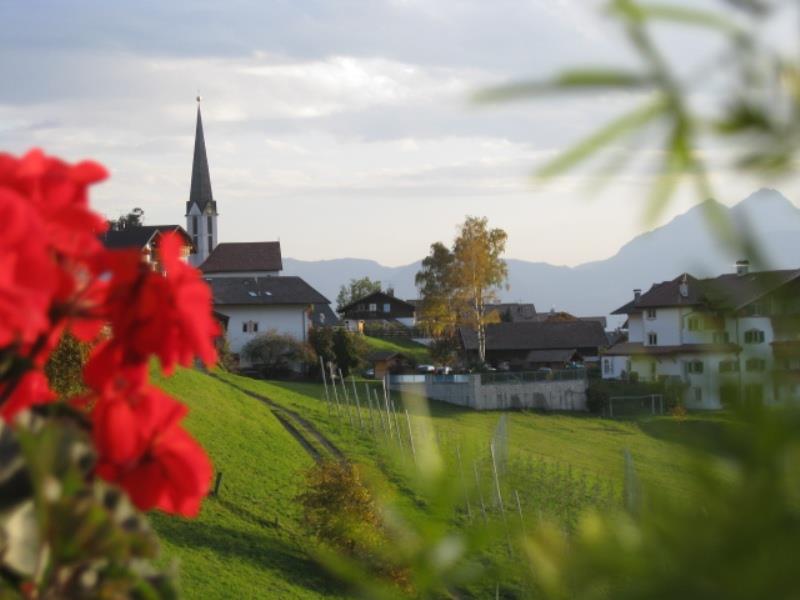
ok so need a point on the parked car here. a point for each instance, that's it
(444, 370)
(426, 369)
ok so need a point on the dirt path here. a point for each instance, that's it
(298, 427)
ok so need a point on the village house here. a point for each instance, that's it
(725, 338)
(532, 345)
(378, 308)
(145, 239)
(249, 294)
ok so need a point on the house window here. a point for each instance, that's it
(694, 366)
(373, 307)
(721, 337)
(387, 308)
(651, 313)
(755, 365)
(607, 366)
(652, 339)
(698, 395)
(194, 225)
(729, 366)
(210, 224)
(693, 324)
(754, 336)
(250, 327)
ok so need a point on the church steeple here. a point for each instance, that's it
(201, 209)
(200, 190)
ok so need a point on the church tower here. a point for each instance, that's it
(201, 209)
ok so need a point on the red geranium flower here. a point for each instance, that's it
(142, 447)
(32, 389)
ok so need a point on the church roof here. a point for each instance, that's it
(200, 190)
(235, 257)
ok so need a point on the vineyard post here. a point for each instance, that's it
(369, 401)
(325, 384)
(463, 481)
(358, 404)
(480, 492)
(380, 413)
(411, 438)
(397, 427)
(386, 404)
(519, 510)
(335, 393)
(346, 398)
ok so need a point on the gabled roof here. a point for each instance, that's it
(322, 315)
(263, 291)
(237, 257)
(200, 190)
(377, 298)
(731, 291)
(139, 237)
(515, 311)
(537, 336)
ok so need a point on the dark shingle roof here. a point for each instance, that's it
(138, 237)
(729, 291)
(538, 336)
(322, 315)
(263, 290)
(378, 298)
(244, 256)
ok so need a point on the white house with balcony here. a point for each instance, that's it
(726, 338)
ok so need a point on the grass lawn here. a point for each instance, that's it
(410, 348)
(246, 543)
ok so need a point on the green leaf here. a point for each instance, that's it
(572, 80)
(627, 123)
(676, 14)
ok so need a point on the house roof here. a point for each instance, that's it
(537, 336)
(515, 311)
(551, 356)
(639, 349)
(378, 298)
(139, 237)
(322, 315)
(200, 189)
(731, 291)
(263, 291)
(240, 257)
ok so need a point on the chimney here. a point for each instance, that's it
(683, 288)
(742, 267)
(637, 293)
(390, 291)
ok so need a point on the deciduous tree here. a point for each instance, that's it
(357, 288)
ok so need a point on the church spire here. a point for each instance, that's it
(200, 191)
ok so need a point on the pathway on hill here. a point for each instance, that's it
(313, 441)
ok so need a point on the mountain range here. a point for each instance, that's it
(685, 244)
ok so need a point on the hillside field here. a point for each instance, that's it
(248, 542)
(410, 348)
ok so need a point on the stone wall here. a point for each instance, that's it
(469, 391)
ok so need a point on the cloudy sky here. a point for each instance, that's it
(343, 128)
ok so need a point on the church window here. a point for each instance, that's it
(210, 224)
(194, 225)
(210, 243)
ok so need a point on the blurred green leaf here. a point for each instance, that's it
(677, 14)
(624, 125)
(573, 80)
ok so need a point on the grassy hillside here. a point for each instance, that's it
(246, 543)
(410, 348)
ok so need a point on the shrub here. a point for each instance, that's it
(350, 350)
(64, 367)
(276, 354)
